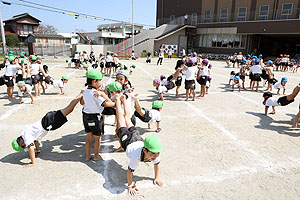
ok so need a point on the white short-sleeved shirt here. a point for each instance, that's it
(279, 86)
(256, 69)
(239, 84)
(76, 56)
(133, 151)
(190, 73)
(11, 70)
(27, 91)
(284, 59)
(164, 82)
(271, 102)
(109, 58)
(161, 54)
(204, 71)
(231, 77)
(161, 89)
(156, 117)
(33, 132)
(35, 69)
(92, 104)
(239, 57)
(58, 84)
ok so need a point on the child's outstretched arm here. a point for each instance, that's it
(32, 156)
(161, 96)
(278, 91)
(21, 100)
(158, 129)
(62, 91)
(156, 180)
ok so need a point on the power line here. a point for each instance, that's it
(64, 11)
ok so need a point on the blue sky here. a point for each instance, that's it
(145, 12)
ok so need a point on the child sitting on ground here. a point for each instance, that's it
(282, 101)
(51, 121)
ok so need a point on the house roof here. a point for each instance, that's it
(14, 18)
(38, 35)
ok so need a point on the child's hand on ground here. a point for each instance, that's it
(132, 190)
(158, 182)
(158, 130)
(28, 165)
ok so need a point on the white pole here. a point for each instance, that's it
(2, 33)
(132, 25)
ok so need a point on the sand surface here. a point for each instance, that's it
(217, 147)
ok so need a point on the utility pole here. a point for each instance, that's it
(132, 25)
(2, 33)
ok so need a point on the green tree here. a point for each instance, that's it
(11, 40)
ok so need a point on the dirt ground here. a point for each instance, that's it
(217, 147)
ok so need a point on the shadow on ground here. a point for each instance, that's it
(72, 149)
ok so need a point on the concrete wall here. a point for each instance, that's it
(88, 48)
(172, 39)
(145, 46)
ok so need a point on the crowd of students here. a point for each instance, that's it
(118, 98)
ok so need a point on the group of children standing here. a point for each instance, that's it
(29, 74)
(99, 100)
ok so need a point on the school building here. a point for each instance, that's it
(269, 27)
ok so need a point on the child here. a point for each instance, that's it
(202, 76)
(24, 89)
(136, 149)
(160, 89)
(281, 84)
(108, 62)
(60, 83)
(148, 59)
(190, 76)
(270, 72)
(76, 59)
(35, 69)
(131, 68)
(242, 75)
(10, 71)
(179, 65)
(51, 121)
(231, 77)
(149, 115)
(101, 62)
(93, 103)
(256, 70)
(282, 101)
(208, 79)
(236, 81)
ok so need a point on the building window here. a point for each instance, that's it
(263, 12)
(194, 19)
(222, 41)
(286, 12)
(172, 19)
(207, 16)
(28, 29)
(223, 14)
(242, 14)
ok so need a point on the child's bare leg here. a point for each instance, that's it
(88, 144)
(177, 91)
(127, 112)
(294, 93)
(97, 148)
(194, 94)
(138, 107)
(257, 84)
(67, 110)
(187, 95)
(119, 114)
(297, 117)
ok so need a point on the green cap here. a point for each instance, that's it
(65, 77)
(157, 104)
(101, 54)
(22, 55)
(133, 65)
(32, 57)
(16, 146)
(94, 74)
(76, 51)
(67, 60)
(124, 73)
(11, 58)
(21, 83)
(23, 52)
(115, 54)
(97, 60)
(84, 51)
(121, 67)
(114, 86)
(108, 52)
(24, 61)
(152, 143)
(10, 52)
(85, 66)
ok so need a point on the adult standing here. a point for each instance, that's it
(160, 56)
